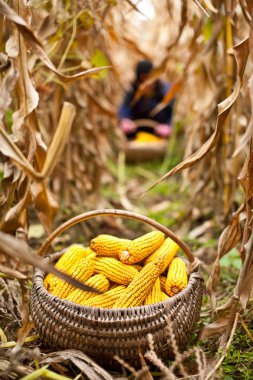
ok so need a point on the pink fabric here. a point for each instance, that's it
(163, 130)
(127, 126)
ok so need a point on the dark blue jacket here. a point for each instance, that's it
(142, 108)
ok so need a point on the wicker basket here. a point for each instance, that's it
(103, 333)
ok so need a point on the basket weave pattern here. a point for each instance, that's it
(103, 333)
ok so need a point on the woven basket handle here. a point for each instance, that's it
(125, 214)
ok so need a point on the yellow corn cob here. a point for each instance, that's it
(107, 245)
(146, 137)
(163, 296)
(73, 254)
(67, 260)
(177, 277)
(107, 299)
(99, 282)
(114, 270)
(154, 295)
(142, 247)
(51, 282)
(82, 270)
(162, 283)
(167, 250)
(141, 285)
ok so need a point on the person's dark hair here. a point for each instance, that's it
(143, 67)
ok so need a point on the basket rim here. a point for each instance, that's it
(39, 275)
(118, 213)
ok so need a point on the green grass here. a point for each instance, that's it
(239, 361)
(139, 177)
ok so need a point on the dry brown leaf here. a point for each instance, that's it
(27, 323)
(249, 131)
(250, 6)
(245, 281)
(11, 220)
(245, 177)
(6, 87)
(246, 287)
(83, 362)
(210, 6)
(9, 149)
(45, 203)
(48, 26)
(217, 327)
(245, 10)
(37, 46)
(182, 24)
(232, 234)
(12, 273)
(229, 238)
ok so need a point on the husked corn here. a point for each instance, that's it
(138, 249)
(107, 245)
(82, 270)
(107, 299)
(65, 263)
(51, 282)
(177, 277)
(167, 251)
(155, 294)
(115, 270)
(141, 285)
(99, 282)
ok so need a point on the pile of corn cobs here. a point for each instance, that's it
(128, 272)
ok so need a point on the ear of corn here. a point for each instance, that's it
(162, 283)
(163, 296)
(141, 285)
(99, 282)
(70, 257)
(65, 263)
(51, 282)
(106, 300)
(107, 245)
(115, 270)
(177, 277)
(141, 247)
(82, 270)
(167, 251)
(155, 294)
